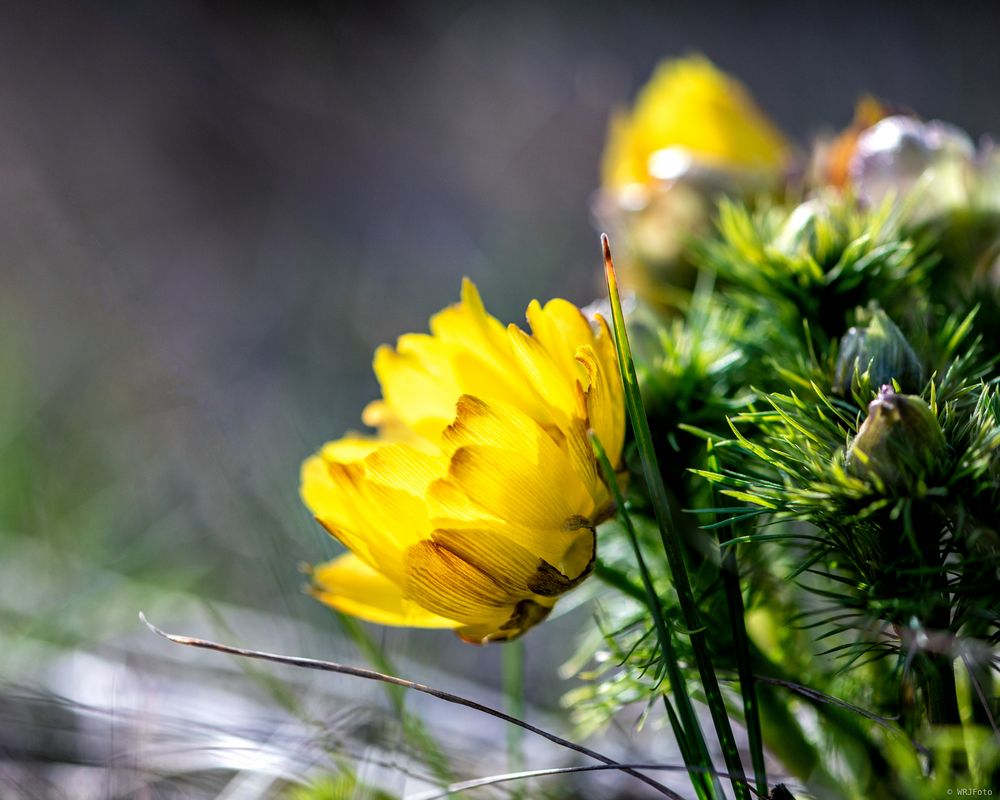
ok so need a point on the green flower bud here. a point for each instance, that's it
(881, 350)
(898, 444)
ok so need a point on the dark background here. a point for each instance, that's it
(211, 214)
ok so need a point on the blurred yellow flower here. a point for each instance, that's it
(690, 112)
(475, 506)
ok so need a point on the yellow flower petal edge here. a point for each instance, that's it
(708, 116)
(475, 505)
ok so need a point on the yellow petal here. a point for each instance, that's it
(605, 395)
(402, 466)
(468, 353)
(450, 507)
(469, 325)
(525, 615)
(544, 374)
(568, 547)
(481, 355)
(351, 586)
(520, 492)
(350, 448)
(488, 381)
(442, 582)
(376, 506)
(581, 454)
(329, 493)
(414, 388)
(621, 163)
(515, 568)
(391, 426)
(453, 510)
(560, 327)
(357, 524)
(689, 104)
(578, 560)
(505, 462)
(361, 546)
(500, 425)
(509, 565)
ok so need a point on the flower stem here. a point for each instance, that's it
(671, 544)
(684, 721)
(512, 667)
(737, 619)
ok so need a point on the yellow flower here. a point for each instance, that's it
(690, 112)
(475, 506)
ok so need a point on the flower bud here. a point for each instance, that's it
(898, 444)
(881, 350)
(901, 154)
(831, 158)
(693, 136)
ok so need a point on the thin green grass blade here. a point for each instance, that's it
(737, 618)
(512, 667)
(671, 544)
(684, 721)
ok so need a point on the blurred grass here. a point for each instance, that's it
(95, 525)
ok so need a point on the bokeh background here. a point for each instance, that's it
(210, 216)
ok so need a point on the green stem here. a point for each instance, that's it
(843, 727)
(737, 619)
(672, 547)
(687, 729)
(512, 667)
(942, 708)
(942, 698)
(787, 738)
(748, 683)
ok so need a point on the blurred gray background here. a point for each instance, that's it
(212, 213)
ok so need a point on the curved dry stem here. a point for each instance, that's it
(371, 675)
(455, 788)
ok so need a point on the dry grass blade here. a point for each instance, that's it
(492, 780)
(371, 675)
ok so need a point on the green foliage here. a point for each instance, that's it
(696, 372)
(856, 474)
(812, 266)
(344, 786)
